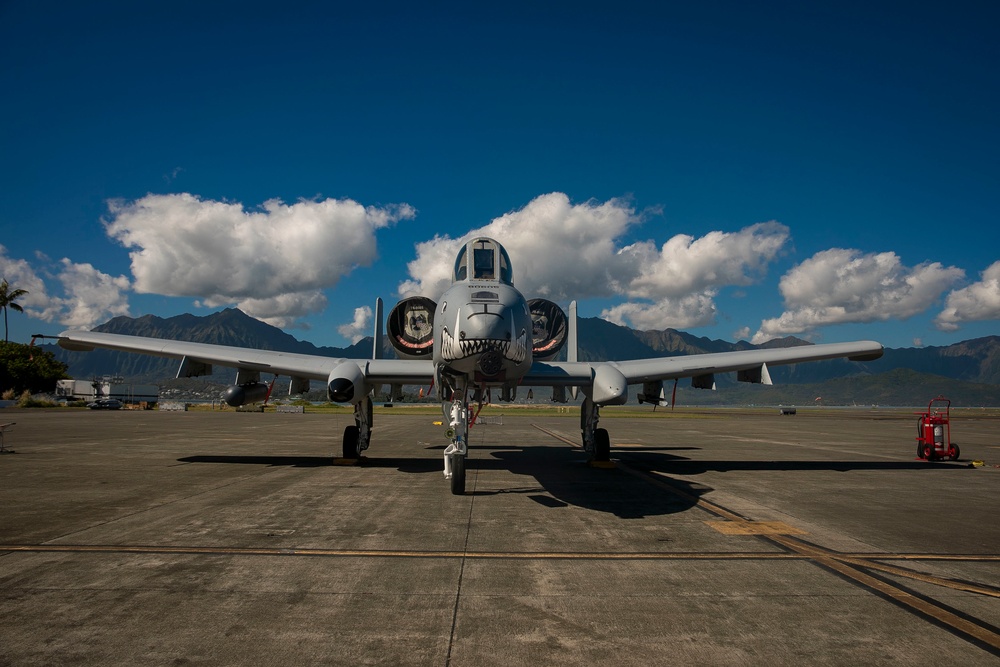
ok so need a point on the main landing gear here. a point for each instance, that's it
(358, 437)
(596, 441)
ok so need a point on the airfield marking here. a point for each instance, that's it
(371, 553)
(754, 528)
(851, 566)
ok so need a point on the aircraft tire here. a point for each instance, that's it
(458, 475)
(602, 445)
(351, 442)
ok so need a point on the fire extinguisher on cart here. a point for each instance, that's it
(934, 432)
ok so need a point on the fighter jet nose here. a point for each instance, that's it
(492, 328)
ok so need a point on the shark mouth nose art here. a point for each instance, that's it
(453, 349)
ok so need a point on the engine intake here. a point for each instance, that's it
(411, 327)
(347, 384)
(548, 328)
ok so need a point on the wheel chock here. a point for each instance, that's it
(339, 461)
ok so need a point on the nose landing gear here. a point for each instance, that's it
(457, 413)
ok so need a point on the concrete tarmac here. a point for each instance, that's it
(722, 537)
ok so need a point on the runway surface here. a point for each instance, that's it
(722, 537)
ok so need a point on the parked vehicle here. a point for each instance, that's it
(105, 404)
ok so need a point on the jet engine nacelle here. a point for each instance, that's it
(610, 386)
(411, 327)
(347, 384)
(548, 328)
(241, 394)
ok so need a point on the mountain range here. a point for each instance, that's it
(968, 372)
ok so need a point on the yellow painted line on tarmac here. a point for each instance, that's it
(872, 564)
(848, 569)
(971, 558)
(755, 528)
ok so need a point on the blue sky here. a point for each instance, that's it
(732, 169)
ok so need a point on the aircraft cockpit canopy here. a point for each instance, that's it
(483, 259)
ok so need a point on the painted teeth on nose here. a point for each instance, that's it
(471, 346)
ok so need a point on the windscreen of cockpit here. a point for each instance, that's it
(485, 253)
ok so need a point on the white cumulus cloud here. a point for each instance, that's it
(91, 295)
(561, 250)
(359, 327)
(21, 275)
(685, 264)
(840, 286)
(678, 281)
(83, 298)
(979, 301)
(692, 310)
(272, 261)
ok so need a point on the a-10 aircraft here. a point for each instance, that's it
(482, 336)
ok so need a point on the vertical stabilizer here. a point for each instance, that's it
(377, 345)
(571, 349)
(571, 343)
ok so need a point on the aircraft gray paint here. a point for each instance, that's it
(483, 335)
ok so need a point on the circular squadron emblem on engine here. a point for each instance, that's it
(491, 363)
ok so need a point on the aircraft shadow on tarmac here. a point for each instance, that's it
(561, 478)
(277, 461)
(565, 479)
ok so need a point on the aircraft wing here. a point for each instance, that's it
(197, 358)
(635, 371)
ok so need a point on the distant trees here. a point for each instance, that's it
(8, 299)
(24, 367)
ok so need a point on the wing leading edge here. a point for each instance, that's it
(636, 371)
(307, 366)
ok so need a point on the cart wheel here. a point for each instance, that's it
(928, 452)
(953, 452)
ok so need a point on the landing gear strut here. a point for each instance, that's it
(457, 413)
(358, 437)
(596, 441)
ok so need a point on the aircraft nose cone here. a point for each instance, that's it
(487, 326)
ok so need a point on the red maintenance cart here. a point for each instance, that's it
(934, 432)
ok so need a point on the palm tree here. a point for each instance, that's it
(8, 299)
